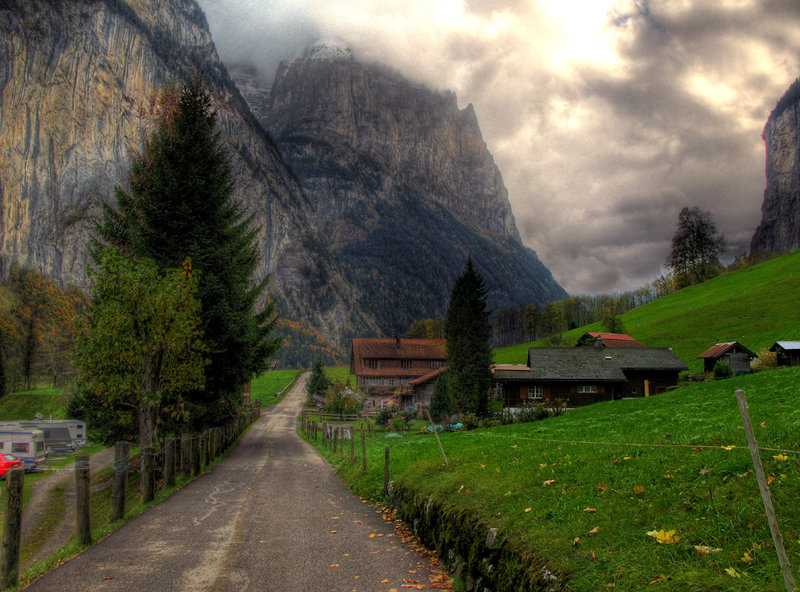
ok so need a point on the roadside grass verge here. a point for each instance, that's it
(25, 405)
(585, 489)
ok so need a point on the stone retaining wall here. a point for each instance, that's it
(473, 551)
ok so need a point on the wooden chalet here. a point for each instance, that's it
(607, 340)
(732, 352)
(397, 373)
(584, 375)
(788, 352)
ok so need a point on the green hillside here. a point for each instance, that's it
(756, 306)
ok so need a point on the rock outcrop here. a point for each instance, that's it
(779, 231)
(402, 185)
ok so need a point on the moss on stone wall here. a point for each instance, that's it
(472, 550)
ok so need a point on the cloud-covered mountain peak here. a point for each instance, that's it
(329, 49)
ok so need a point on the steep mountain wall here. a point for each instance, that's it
(76, 82)
(779, 231)
(402, 185)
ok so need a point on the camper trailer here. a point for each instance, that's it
(27, 444)
(60, 435)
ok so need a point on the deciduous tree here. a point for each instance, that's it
(139, 350)
(469, 351)
(696, 247)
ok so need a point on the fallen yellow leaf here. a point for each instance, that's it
(548, 482)
(594, 530)
(705, 551)
(780, 457)
(638, 489)
(590, 510)
(528, 510)
(664, 537)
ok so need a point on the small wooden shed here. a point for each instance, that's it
(788, 352)
(732, 352)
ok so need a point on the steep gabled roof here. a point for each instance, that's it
(394, 349)
(428, 377)
(785, 346)
(722, 348)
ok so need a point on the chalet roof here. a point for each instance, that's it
(648, 358)
(395, 348)
(722, 348)
(511, 372)
(428, 377)
(574, 363)
(785, 346)
(610, 340)
(595, 364)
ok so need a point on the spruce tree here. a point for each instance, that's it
(469, 351)
(180, 205)
(318, 382)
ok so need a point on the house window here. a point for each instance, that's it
(373, 364)
(436, 364)
(536, 391)
(587, 388)
(405, 364)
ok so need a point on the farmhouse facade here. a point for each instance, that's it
(584, 375)
(395, 372)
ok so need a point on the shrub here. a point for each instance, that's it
(722, 370)
(470, 420)
(383, 416)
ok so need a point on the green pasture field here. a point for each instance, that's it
(266, 385)
(756, 306)
(590, 490)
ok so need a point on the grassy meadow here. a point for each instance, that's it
(756, 306)
(585, 489)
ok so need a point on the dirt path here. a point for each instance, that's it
(273, 516)
(37, 506)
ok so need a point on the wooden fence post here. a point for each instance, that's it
(148, 478)
(195, 455)
(119, 485)
(186, 455)
(364, 447)
(12, 528)
(766, 498)
(352, 445)
(169, 462)
(386, 471)
(82, 497)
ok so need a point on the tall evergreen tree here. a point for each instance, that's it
(181, 205)
(318, 382)
(469, 350)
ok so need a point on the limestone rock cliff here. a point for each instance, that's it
(76, 80)
(779, 231)
(401, 182)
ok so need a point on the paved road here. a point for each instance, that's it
(272, 516)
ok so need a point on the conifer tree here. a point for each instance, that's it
(318, 382)
(181, 205)
(469, 352)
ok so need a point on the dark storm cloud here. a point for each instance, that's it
(605, 117)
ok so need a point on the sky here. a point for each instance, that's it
(605, 117)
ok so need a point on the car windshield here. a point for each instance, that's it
(9, 457)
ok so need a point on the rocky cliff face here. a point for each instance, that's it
(401, 182)
(779, 231)
(76, 81)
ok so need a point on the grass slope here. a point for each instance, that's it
(756, 306)
(584, 490)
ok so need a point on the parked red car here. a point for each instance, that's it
(7, 462)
